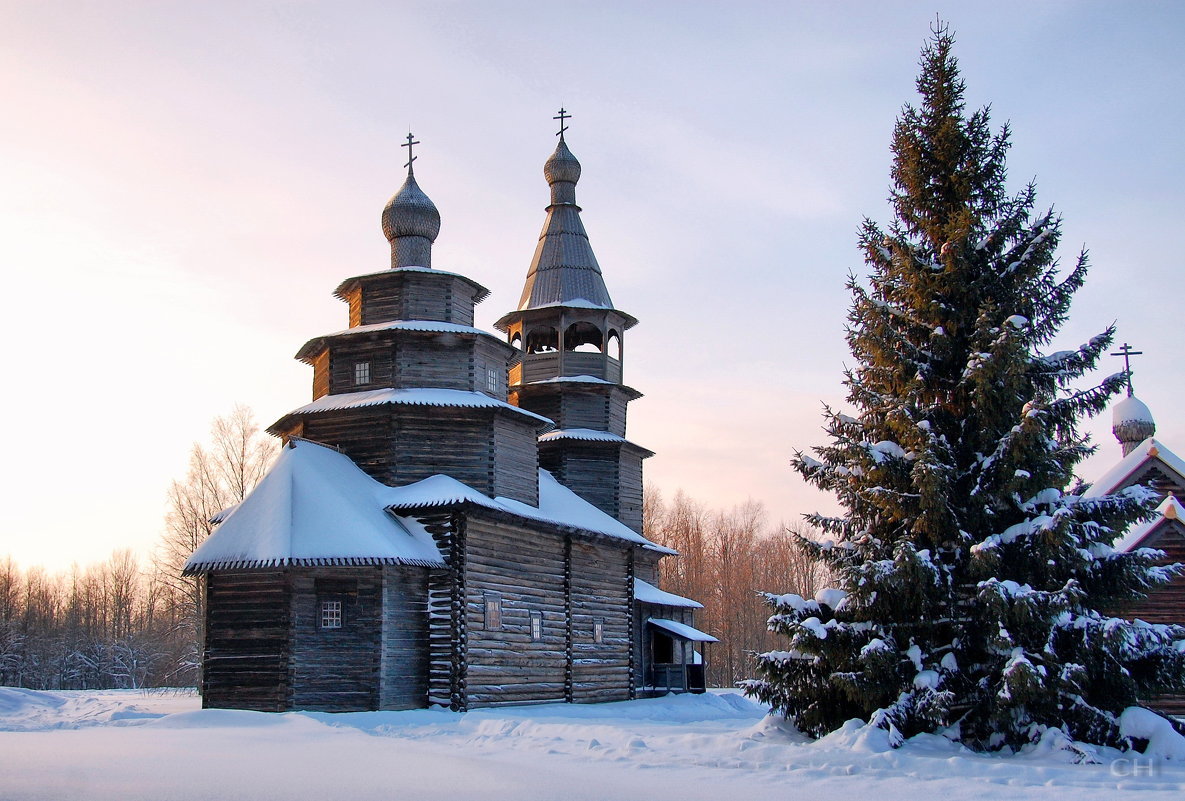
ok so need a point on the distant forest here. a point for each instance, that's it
(132, 622)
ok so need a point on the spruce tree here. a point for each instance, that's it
(969, 576)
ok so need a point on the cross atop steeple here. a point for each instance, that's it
(1125, 350)
(563, 115)
(411, 141)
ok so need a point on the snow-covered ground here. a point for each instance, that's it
(162, 745)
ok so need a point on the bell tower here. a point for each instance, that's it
(571, 343)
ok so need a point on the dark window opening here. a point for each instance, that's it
(543, 340)
(584, 337)
(663, 648)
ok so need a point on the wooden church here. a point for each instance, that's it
(455, 518)
(1146, 460)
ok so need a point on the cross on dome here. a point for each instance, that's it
(1125, 350)
(562, 116)
(411, 141)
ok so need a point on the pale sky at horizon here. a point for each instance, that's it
(183, 185)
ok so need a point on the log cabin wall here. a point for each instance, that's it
(411, 296)
(321, 374)
(336, 669)
(376, 352)
(523, 571)
(590, 469)
(646, 565)
(435, 360)
(629, 477)
(515, 453)
(404, 661)
(364, 434)
(491, 360)
(247, 647)
(602, 596)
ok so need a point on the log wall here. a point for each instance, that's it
(526, 569)
(336, 669)
(247, 647)
(404, 659)
(515, 452)
(602, 582)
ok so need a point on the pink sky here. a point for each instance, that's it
(184, 184)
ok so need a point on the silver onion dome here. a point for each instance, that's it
(411, 223)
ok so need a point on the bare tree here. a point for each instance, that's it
(220, 475)
(727, 560)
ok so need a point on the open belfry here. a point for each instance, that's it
(456, 517)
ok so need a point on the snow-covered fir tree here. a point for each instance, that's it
(969, 577)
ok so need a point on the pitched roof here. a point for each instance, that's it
(314, 507)
(410, 397)
(1169, 509)
(681, 631)
(649, 594)
(557, 505)
(1148, 450)
(310, 349)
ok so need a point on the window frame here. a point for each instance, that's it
(536, 625)
(361, 373)
(492, 612)
(327, 614)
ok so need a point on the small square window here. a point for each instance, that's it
(331, 614)
(492, 379)
(361, 372)
(599, 629)
(536, 625)
(493, 611)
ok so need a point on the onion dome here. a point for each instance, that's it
(562, 168)
(1131, 423)
(411, 223)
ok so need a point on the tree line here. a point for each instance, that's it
(130, 622)
(134, 621)
(727, 560)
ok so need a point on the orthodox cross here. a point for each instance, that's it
(563, 115)
(411, 141)
(1125, 350)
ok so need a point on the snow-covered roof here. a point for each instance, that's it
(482, 292)
(1115, 478)
(649, 594)
(411, 397)
(310, 348)
(572, 379)
(314, 507)
(681, 630)
(590, 434)
(1131, 410)
(557, 504)
(1169, 509)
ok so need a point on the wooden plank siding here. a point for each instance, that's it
(336, 669)
(246, 647)
(606, 474)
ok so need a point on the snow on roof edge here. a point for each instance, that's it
(647, 593)
(1169, 509)
(1114, 478)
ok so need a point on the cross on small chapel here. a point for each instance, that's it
(563, 115)
(411, 141)
(1125, 350)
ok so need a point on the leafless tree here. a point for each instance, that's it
(221, 473)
